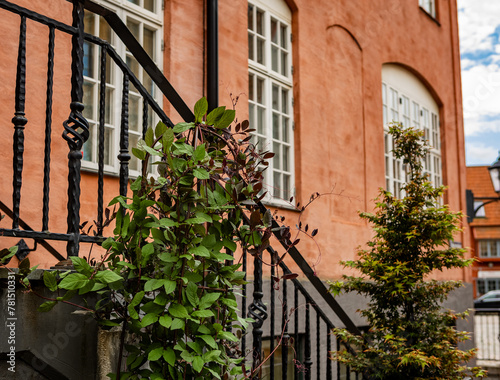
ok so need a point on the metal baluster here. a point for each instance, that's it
(318, 347)
(145, 109)
(48, 131)
(284, 329)
(76, 131)
(124, 156)
(328, 349)
(102, 129)
(296, 329)
(19, 120)
(273, 316)
(308, 359)
(337, 362)
(244, 304)
(258, 311)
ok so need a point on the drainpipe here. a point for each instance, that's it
(212, 54)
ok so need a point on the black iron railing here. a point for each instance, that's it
(285, 313)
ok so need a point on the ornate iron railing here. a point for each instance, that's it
(302, 329)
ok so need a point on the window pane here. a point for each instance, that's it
(277, 154)
(274, 31)
(284, 135)
(148, 42)
(260, 121)
(274, 58)
(134, 28)
(284, 63)
(286, 186)
(277, 184)
(134, 1)
(149, 5)
(104, 30)
(133, 113)
(260, 91)
(134, 163)
(88, 146)
(284, 101)
(260, 22)
(88, 100)
(251, 117)
(89, 22)
(250, 87)
(276, 97)
(276, 126)
(250, 17)
(286, 150)
(108, 146)
(250, 46)
(133, 64)
(109, 102)
(284, 36)
(260, 50)
(88, 59)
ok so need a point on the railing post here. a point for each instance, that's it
(258, 311)
(76, 130)
(19, 120)
(124, 156)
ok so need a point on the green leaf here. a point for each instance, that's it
(155, 354)
(73, 281)
(198, 364)
(132, 312)
(50, 281)
(160, 129)
(153, 284)
(199, 251)
(226, 119)
(107, 277)
(228, 336)
(199, 153)
(143, 145)
(213, 355)
(165, 321)
(140, 154)
(215, 115)
(178, 311)
(166, 222)
(203, 330)
(209, 339)
(47, 306)
(192, 294)
(81, 266)
(201, 173)
(229, 244)
(149, 137)
(200, 109)
(137, 298)
(203, 314)
(168, 139)
(182, 127)
(7, 253)
(169, 356)
(177, 324)
(208, 299)
(149, 319)
(169, 286)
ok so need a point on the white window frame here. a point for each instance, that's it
(418, 111)
(429, 6)
(279, 180)
(147, 20)
(488, 248)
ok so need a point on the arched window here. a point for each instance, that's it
(405, 99)
(270, 91)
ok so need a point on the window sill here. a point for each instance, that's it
(431, 17)
(280, 204)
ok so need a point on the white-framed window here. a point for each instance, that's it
(405, 99)
(484, 285)
(270, 92)
(429, 6)
(144, 19)
(489, 248)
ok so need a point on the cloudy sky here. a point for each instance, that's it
(479, 23)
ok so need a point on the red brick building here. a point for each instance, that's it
(485, 231)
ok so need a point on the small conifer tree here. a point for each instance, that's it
(411, 336)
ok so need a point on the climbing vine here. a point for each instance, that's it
(169, 275)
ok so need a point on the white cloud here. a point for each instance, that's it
(480, 154)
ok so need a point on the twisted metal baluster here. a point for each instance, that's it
(318, 347)
(308, 359)
(48, 131)
(124, 155)
(19, 120)
(258, 311)
(244, 304)
(286, 337)
(273, 316)
(76, 131)
(328, 347)
(102, 129)
(296, 329)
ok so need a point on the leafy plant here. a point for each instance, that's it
(168, 277)
(410, 336)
